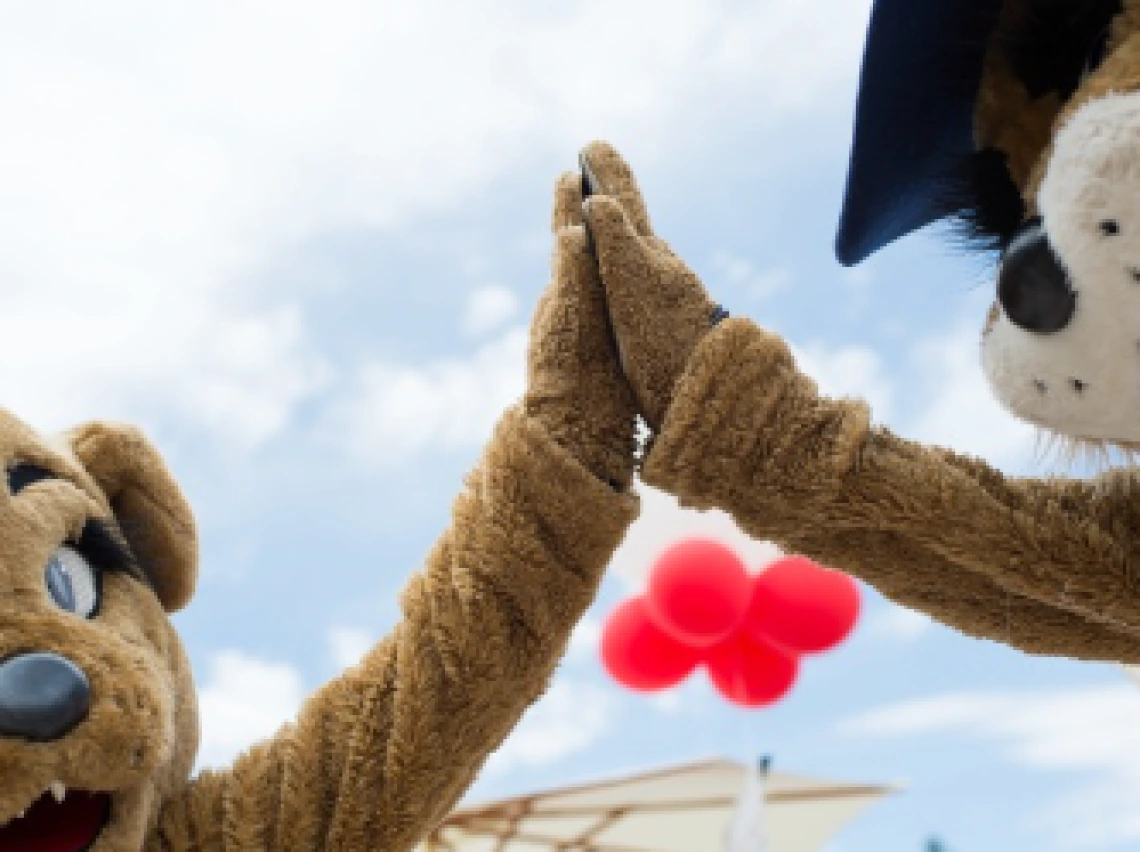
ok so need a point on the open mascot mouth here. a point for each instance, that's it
(60, 820)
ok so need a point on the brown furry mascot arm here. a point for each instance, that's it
(379, 756)
(1045, 566)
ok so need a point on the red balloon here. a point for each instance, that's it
(751, 672)
(802, 606)
(638, 654)
(698, 592)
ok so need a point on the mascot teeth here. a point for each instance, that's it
(58, 791)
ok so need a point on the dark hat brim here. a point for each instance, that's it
(914, 117)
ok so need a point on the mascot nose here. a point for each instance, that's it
(1033, 287)
(42, 697)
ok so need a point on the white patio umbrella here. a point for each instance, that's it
(686, 808)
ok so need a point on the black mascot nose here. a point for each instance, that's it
(42, 697)
(1033, 287)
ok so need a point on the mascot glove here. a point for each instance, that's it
(575, 385)
(658, 307)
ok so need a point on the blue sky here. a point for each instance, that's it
(301, 249)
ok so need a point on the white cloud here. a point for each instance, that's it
(694, 696)
(1133, 673)
(897, 623)
(247, 376)
(393, 412)
(488, 308)
(849, 371)
(858, 283)
(668, 701)
(159, 157)
(740, 277)
(570, 717)
(962, 414)
(1091, 732)
(663, 522)
(586, 638)
(348, 645)
(245, 700)
(955, 407)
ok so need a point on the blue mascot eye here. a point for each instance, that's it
(59, 584)
(72, 583)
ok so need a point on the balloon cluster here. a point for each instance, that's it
(701, 607)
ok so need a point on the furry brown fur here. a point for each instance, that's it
(378, 756)
(1044, 566)
(140, 735)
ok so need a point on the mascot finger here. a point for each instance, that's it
(575, 386)
(658, 308)
(567, 211)
(607, 173)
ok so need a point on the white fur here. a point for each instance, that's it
(1093, 175)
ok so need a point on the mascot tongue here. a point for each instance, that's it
(68, 826)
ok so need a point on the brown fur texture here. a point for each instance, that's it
(141, 733)
(1006, 116)
(617, 214)
(575, 384)
(150, 508)
(1046, 566)
(653, 366)
(380, 754)
(1042, 566)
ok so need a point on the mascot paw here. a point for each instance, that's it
(658, 307)
(575, 385)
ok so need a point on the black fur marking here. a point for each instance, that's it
(103, 546)
(21, 475)
(101, 543)
(1057, 43)
(982, 201)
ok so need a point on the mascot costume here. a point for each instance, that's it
(1021, 119)
(98, 721)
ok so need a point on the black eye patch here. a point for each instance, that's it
(101, 543)
(21, 475)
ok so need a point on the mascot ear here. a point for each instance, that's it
(148, 504)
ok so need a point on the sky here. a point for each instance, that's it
(300, 247)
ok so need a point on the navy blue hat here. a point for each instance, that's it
(914, 117)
